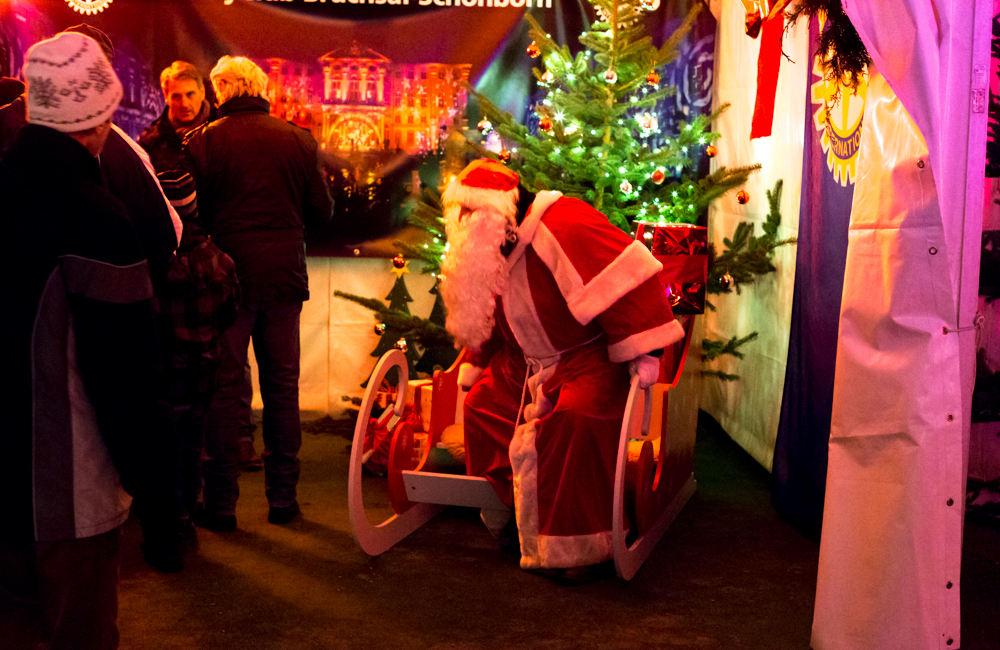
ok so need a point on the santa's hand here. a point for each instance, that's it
(467, 375)
(647, 368)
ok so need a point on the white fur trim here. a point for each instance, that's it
(565, 551)
(467, 375)
(634, 266)
(524, 463)
(646, 367)
(476, 198)
(631, 268)
(522, 316)
(526, 231)
(654, 339)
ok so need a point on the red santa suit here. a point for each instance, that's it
(581, 300)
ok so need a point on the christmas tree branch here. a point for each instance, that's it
(719, 375)
(746, 257)
(414, 329)
(712, 350)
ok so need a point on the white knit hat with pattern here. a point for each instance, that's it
(71, 84)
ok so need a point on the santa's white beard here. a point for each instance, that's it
(475, 273)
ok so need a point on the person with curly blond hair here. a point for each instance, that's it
(259, 182)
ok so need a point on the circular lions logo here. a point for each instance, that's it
(840, 123)
(89, 7)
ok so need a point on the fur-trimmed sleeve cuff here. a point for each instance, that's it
(643, 342)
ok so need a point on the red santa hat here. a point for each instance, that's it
(485, 183)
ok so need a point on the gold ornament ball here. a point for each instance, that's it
(658, 176)
(504, 156)
(380, 328)
(652, 78)
(356, 252)
(742, 196)
(710, 151)
(484, 126)
(534, 51)
(610, 76)
(401, 345)
(545, 124)
(726, 281)
(398, 262)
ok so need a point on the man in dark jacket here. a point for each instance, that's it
(85, 425)
(186, 110)
(259, 181)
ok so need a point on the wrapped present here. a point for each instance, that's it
(683, 251)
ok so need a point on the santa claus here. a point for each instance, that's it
(558, 309)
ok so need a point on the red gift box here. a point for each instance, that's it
(683, 251)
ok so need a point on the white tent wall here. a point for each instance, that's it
(749, 409)
(890, 555)
(337, 336)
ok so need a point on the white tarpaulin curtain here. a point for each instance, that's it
(749, 409)
(890, 555)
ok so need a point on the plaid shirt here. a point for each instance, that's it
(196, 303)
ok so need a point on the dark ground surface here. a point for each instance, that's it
(728, 574)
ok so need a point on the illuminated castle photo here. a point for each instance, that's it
(358, 100)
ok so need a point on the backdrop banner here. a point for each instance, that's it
(382, 87)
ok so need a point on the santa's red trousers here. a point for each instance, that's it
(562, 479)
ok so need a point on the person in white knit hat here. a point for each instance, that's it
(71, 84)
(86, 427)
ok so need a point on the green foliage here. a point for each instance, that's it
(711, 350)
(746, 257)
(413, 328)
(426, 215)
(598, 149)
(718, 374)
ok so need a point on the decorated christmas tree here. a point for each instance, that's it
(597, 138)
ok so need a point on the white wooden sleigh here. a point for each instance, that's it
(653, 481)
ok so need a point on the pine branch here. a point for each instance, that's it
(746, 257)
(712, 350)
(719, 375)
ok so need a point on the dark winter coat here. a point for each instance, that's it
(161, 142)
(259, 183)
(82, 398)
(128, 180)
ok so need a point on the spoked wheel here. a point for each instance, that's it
(375, 539)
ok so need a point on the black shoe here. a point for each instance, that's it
(210, 521)
(189, 535)
(509, 540)
(165, 558)
(283, 514)
(578, 575)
